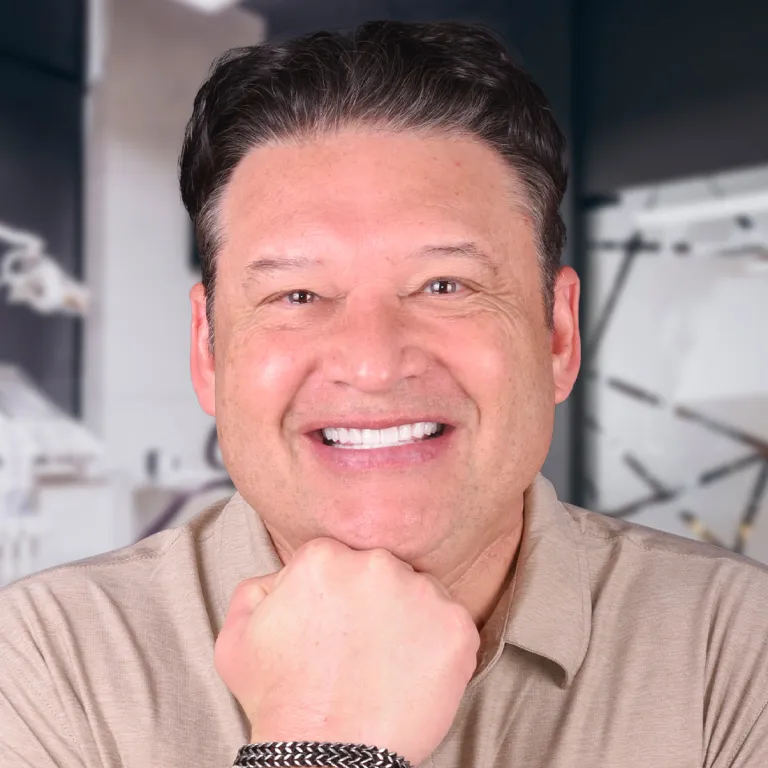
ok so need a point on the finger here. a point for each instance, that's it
(250, 593)
(406, 566)
(440, 588)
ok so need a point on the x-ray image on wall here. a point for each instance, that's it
(676, 359)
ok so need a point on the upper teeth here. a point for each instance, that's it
(380, 438)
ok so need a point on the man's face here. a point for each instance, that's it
(383, 372)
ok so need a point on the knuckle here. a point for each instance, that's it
(321, 562)
(431, 590)
(245, 594)
(379, 560)
(319, 551)
(382, 565)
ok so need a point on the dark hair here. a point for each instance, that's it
(446, 76)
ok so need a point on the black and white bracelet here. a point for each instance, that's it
(316, 754)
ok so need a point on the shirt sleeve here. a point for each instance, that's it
(753, 750)
(32, 733)
(34, 728)
(736, 698)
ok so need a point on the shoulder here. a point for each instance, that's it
(609, 534)
(77, 596)
(702, 604)
(80, 640)
(698, 583)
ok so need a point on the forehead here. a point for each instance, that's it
(371, 185)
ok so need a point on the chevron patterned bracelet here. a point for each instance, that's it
(316, 754)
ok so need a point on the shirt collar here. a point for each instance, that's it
(546, 609)
(549, 601)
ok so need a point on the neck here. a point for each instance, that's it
(478, 583)
(477, 578)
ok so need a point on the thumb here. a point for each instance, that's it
(248, 595)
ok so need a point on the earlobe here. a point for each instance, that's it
(566, 337)
(202, 364)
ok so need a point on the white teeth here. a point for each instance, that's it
(371, 436)
(380, 438)
(390, 435)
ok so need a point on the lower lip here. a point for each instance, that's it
(391, 457)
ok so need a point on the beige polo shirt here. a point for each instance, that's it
(613, 646)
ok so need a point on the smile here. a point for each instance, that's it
(390, 437)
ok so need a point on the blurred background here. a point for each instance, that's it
(666, 108)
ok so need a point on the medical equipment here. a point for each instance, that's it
(39, 443)
(33, 278)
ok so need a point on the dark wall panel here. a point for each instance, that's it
(41, 181)
(44, 33)
(670, 88)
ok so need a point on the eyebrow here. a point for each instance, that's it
(461, 250)
(266, 266)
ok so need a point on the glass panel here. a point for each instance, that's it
(676, 359)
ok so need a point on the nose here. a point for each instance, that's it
(373, 344)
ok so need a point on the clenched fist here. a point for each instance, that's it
(347, 646)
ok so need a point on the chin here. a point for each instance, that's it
(405, 532)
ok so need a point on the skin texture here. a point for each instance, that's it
(347, 646)
(372, 279)
(377, 346)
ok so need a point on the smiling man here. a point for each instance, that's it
(382, 333)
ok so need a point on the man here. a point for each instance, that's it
(382, 332)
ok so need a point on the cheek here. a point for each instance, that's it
(261, 374)
(506, 370)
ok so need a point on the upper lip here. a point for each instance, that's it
(373, 422)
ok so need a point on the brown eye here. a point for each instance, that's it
(442, 287)
(300, 297)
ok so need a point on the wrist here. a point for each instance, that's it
(285, 754)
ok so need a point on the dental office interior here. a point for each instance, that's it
(665, 105)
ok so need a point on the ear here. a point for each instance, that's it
(201, 358)
(566, 338)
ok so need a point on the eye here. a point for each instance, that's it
(443, 286)
(300, 297)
